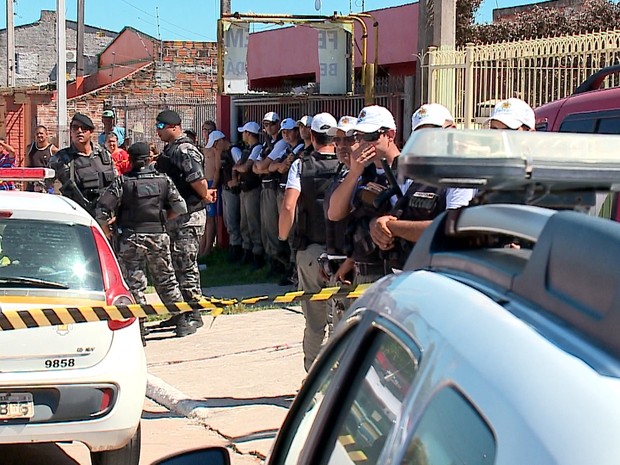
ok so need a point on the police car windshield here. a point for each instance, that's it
(48, 254)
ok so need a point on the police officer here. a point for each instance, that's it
(337, 267)
(365, 193)
(273, 148)
(229, 156)
(308, 179)
(184, 163)
(85, 169)
(139, 203)
(396, 232)
(249, 197)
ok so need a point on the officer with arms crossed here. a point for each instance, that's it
(184, 163)
(364, 193)
(139, 203)
(397, 232)
(85, 169)
(308, 180)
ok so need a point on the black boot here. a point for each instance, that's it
(196, 319)
(248, 257)
(235, 253)
(258, 262)
(184, 328)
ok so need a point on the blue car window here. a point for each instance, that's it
(451, 432)
(374, 404)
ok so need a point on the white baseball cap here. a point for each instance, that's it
(322, 123)
(514, 113)
(214, 136)
(306, 120)
(288, 123)
(431, 113)
(373, 118)
(250, 126)
(271, 116)
(345, 124)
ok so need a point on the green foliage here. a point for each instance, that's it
(591, 16)
(221, 273)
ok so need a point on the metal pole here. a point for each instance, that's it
(79, 71)
(61, 74)
(10, 45)
(225, 7)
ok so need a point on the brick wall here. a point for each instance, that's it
(35, 47)
(186, 67)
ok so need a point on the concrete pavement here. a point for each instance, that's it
(236, 377)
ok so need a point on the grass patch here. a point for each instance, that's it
(221, 273)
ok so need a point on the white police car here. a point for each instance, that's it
(59, 381)
(480, 352)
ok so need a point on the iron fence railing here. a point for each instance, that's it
(138, 115)
(470, 80)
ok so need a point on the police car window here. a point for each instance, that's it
(451, 432)
(303, 424)
(374, 404)
(53, 252)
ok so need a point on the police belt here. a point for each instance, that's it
(195, 207)
(233, 190)
(270, 183)
(369, 269)
(144, 228)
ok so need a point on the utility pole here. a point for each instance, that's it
(436, 27)
(79, 66)
(61, 74)
(10, 45)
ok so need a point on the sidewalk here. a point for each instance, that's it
(237, 377)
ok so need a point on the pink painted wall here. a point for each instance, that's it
(293, 51)
(130, 50)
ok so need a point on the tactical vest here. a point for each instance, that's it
(270, 179)
(143, 201)
(249, 180)
(358, 240)
(419, 203)
(316, 175)
(335, 231)
(91, 174)
(170, 162)
(227, 163)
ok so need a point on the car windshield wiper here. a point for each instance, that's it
(32, 282)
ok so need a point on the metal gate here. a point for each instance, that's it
(253, 107)
(469, 81)
(138, 115)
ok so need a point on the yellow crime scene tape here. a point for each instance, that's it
(33, 318)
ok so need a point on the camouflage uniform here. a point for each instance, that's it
(184, 163)
(185, 233)
(139, 248)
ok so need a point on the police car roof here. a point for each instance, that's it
(31, 205)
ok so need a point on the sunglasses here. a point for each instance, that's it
(75, 127)
(160, 125)
(369, 136)
(344, 140)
